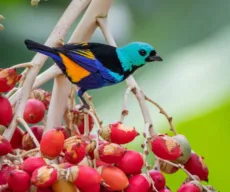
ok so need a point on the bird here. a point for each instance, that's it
(92, 65)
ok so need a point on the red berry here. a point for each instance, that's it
(138, 183)
(131, 168)
(16, 141)
(158, 178)
(8, 79)
(19, 181)
(64, 131)
(5, 173)
(93, 188)
(6, 112)
(5, 146)
(111, 152)
(190, 187)
(32, 163)
(84, 177)
(44, 176)
(34, 111)
(27, 141)
(52, 143)
(166, 147)
(113, 177)
(196, 166)
(75, 152)
(118, 133)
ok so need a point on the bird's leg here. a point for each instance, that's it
(85, 104)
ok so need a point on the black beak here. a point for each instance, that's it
(153, 57)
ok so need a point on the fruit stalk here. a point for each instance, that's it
(24, 124)
(22, 65)
(88, 98)
(13, 157)
(124, 111)
(162, 111)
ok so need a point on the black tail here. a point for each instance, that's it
(34, 46)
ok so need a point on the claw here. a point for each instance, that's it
(84, 106)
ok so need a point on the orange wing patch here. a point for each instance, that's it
(73, 70)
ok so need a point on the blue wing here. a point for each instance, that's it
(86, 59)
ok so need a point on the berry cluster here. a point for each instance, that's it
(71, 158)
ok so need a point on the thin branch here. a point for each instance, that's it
(11, 156)
(89, 100)
(162, 111)
(22, 65)
(94, 118)
(18, 154)
(98, 125)
(130, 81)
(70, 110)
(24, 73)
(124, 111)
(24, 124)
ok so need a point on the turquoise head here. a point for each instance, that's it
(136, 54)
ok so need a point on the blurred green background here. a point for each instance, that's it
(192, 84)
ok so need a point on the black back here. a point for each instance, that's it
(106, 54)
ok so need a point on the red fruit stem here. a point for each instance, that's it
(22, 65)
(162, 111)
(124, 111)
(183, 169)
(24, 124)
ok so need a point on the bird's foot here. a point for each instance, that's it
(84, 106)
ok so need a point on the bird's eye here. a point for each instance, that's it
(142, 52)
